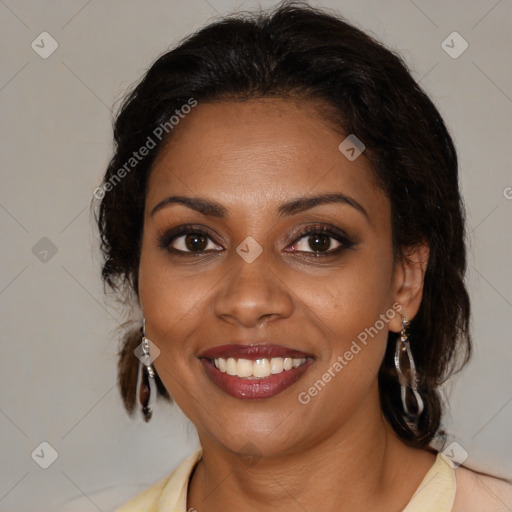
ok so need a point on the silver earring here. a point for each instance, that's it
(147, 374)
(406, 370)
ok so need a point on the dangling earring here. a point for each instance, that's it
(406, 370)
(147, 373)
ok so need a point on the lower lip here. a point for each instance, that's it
(254, 389)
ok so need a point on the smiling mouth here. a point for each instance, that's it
(257, 369)
(254, 372)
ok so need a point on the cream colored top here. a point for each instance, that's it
(436, 492)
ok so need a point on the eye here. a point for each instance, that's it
(192, 242)
(318, 242)
(184, 240)
(321, 241)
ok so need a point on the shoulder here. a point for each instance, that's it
(476, 492)
(169, 493)
(109, 498)
(147, 499)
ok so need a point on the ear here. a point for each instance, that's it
(408, 280)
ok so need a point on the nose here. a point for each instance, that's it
(252, 293)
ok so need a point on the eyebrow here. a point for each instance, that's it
(214, 209)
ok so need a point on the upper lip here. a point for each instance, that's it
(252, 351)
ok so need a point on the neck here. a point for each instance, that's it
(360, 466)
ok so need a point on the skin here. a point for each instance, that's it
(336, 453)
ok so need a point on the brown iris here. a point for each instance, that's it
(196, 242)
(319, 242)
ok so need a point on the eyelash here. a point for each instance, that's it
(167, 237)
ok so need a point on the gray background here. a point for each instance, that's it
(58, 339)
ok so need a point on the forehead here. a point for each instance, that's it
(252, 153)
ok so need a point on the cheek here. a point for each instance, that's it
(165, 293)
(169, 304)
(352, 311)
(174, 304)
(351, 297)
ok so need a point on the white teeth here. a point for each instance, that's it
(261, 368)
(276, 365)
(230, 366)
(221, 364)
(244, 368)
(258, 369)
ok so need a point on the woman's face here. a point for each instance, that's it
(252, 277)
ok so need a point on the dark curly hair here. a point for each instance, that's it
(297, 51)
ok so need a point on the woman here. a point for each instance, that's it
(283, 202)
